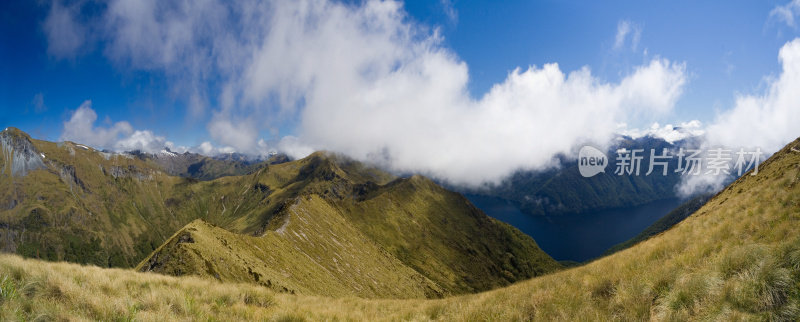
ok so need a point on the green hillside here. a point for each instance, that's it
(341, 233)
(66, 201)
(735, 259)
(664, 223)
(321, 225)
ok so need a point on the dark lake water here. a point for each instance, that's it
(578, 237)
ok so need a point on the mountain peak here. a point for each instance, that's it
(15, 132)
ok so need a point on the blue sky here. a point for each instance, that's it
(727, 47)
(724, 50)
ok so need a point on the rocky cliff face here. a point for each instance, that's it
(19, 154)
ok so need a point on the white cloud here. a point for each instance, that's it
(120, 136)
(65, 35)
(80, 128)
(141, 140)
(786, 13)
(422, 121)
(242, 136)
(367, 81)
(193, 43)
(207, 148)
(625, 29)
(767, 121)
(389, 94)
(294, 147)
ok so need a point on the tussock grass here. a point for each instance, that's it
(33, 290)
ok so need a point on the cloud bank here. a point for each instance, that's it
(421, 121)
(365, 80)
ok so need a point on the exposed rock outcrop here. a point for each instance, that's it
(19, 154)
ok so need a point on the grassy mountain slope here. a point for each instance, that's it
(77, 204)
(664, 223)
(440, 234)
(337, 232)
(736, 258)
(67, 201)
(316, 253)
(321, 225)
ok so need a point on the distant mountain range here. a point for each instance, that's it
(201, 167)
(563, 190)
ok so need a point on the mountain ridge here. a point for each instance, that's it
(114, 210)
(736, 258)
(419, 225)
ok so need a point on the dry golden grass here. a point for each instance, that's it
(35, 290)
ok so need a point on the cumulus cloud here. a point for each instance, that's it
(626, 30)
(80, 128)
(120, 136)
(141, 140)
(367, 81)
(294, 147)
(786, 13)
(766, 121)
(207, 148)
